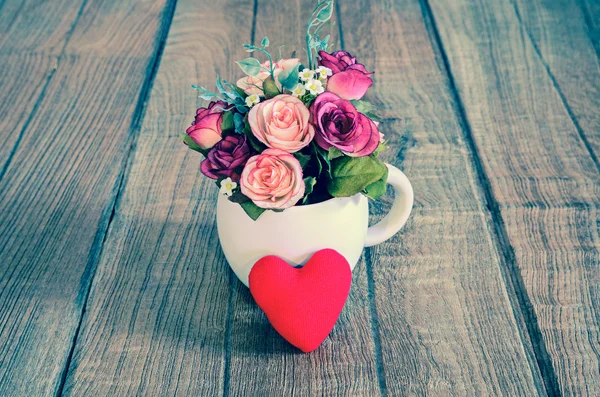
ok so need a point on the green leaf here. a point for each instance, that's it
(377, 188)
(270, 88)
(323, 157)
(250, 66)
(236, 91)
(240, 92)
(334, 153)
(363, 106)
(366, 108)
(222, 90)
(289, 78)
(191, 144)
(237, 196)
(309, 185)
(303, 159)
(265, 42)
(380, 148)
(315, 152)
(351, 175)
(254, 142)
(325, 14)
(227, 123)
(253, 210)
(238, 122)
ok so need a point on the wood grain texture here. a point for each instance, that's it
(114, 28)
(156, 319)
(41, 27)
(22, 81)
(57, 195)
(32, 41)
(591, 15)
(561, 37)
(262, 362)
(542, 177)
(446, 323)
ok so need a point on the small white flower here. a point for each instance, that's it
(323, 72)
(299, 90)
(307, 74)
(315, 87)
(227, 186)
(252, 100)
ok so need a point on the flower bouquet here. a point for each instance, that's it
(296, 140)
(290, 133)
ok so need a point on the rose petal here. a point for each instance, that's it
(349, 84)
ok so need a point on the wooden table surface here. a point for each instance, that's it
(112, 281)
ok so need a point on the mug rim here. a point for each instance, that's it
(299, 207)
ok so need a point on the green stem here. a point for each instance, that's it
(311, 24)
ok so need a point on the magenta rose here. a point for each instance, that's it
(227, 158)
(273, 179)
(349, 80)
(340, 125)
(206, 128)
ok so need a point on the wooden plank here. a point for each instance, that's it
(156, 320)
(22, 78)
(445, 322)
(57, 196)
(32, 38)
(591, 15)
(544, 182)
(263, 363)
(114, 28)
(37, 26)
(559, 34)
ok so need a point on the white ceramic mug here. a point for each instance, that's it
(298, 232)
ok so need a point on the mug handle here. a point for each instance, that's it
(398, 215)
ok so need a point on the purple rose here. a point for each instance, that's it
(227, 158)
(350, 80)
(339, 124)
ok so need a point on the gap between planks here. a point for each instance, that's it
(121, 180)
(556, 86)
(513, 280)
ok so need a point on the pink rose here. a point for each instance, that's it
(282, 123)
(206, 128)
(350, 80)
(253, 84)
(273, 180)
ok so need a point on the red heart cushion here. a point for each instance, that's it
(304, 303)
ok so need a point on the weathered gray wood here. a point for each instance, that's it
(262, 362)
(32, 26)
(591, 16)
(114, 28)
(56, 197)
(156, 320)
(32, 39)
(544, 182)
(561, 37)
(22, 81)
(446, 325)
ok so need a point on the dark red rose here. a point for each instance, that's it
(227, 158)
